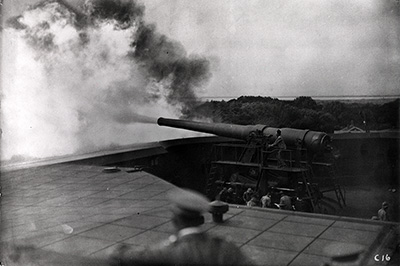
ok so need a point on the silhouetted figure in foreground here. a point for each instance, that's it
(190, 245)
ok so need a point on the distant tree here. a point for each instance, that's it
(335, 108)
(302, 113)
(308, 120)
(289, 116)
(367, 117)
(305, 102)
(387, 115)
(340, 112)
(327, 122)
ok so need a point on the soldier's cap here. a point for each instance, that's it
(188, 203)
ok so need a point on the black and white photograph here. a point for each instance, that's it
(208, 132)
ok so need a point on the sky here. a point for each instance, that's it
(67, 89)
(283, 48)
(289, 48)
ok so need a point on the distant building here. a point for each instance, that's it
(350, 129)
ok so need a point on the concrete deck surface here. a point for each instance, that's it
(80, 210)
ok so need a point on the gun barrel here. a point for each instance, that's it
(220, 129)
(311, 140)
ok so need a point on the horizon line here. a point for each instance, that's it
(314, 96)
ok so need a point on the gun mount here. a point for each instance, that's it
(250, 164)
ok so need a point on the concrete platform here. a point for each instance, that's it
(79, 210)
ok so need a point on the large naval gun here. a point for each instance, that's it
(249, 162)
(313, 141)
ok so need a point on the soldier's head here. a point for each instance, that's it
(385, 205)
(278, 132)
(187, 208)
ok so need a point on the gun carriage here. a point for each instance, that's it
(246, 162)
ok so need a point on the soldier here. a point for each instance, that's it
(247, 195)
(382, 213)
(254, 201)
(280, 144)
(285, 203)
(190, 245)
(222, 195)
(266, 200)
(230, 195)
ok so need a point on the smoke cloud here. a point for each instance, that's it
(79, 81)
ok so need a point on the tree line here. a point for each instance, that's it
(302, 113)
